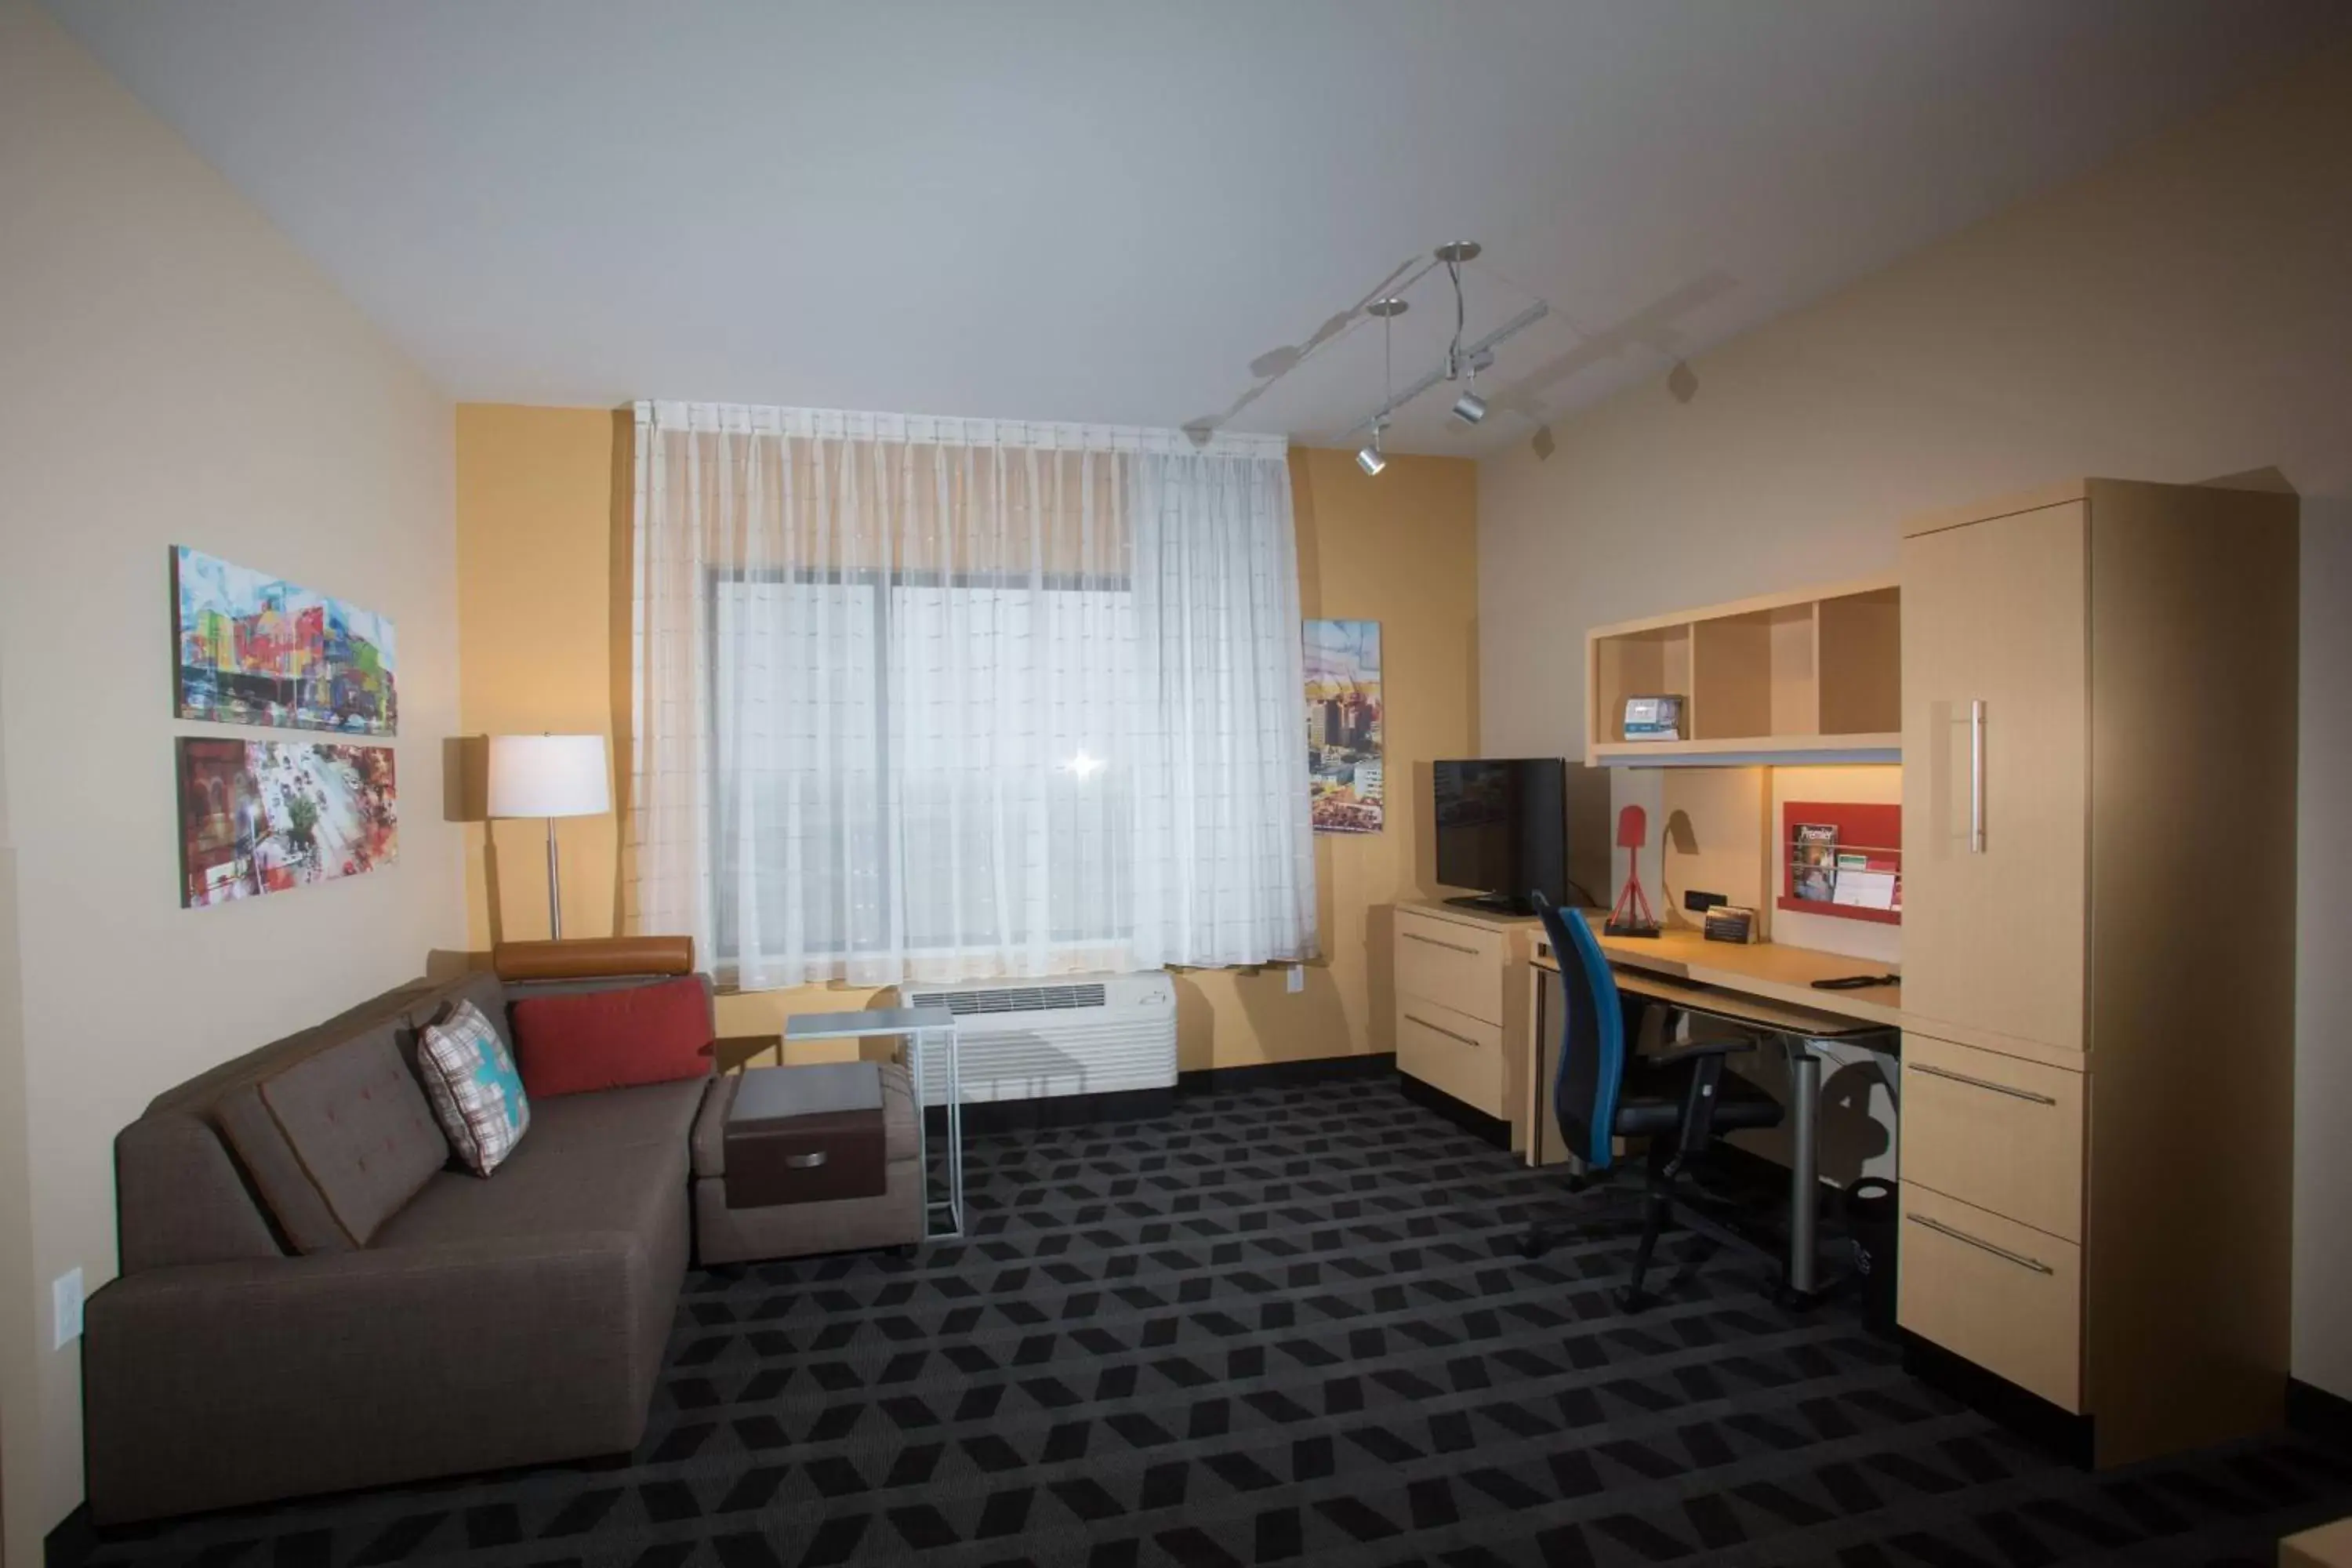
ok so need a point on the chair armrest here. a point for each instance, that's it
(1687, 1050)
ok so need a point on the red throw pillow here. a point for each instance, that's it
(613, 1039)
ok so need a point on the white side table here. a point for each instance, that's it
(919, 1027)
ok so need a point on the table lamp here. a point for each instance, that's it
(548, 776)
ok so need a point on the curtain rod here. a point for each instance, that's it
(751, 419)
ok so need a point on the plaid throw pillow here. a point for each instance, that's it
(474, 1088)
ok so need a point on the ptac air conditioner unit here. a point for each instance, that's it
(1081, 1034)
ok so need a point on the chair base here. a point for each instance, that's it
(1667, 1199)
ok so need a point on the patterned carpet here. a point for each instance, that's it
(1284, 1325)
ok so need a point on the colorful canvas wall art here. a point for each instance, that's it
(1344, 726)
(253, 649)
(268, 817)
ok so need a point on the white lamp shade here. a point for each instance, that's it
(549, 775)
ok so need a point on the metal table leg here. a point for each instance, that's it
(954, 1101)
(912, 1049)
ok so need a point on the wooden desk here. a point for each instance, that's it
(1761, 987)
(1768, 970)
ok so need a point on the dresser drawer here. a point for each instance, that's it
(1457, 966)
(2005, 1296)
(1994, 1132)
(1451, 1051)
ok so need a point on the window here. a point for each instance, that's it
(921, 766)
(940, 699)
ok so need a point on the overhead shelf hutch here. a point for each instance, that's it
(1812, 675)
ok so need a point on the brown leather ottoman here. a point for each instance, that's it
(758, 1193)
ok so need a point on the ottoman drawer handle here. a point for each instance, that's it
(805, 1161)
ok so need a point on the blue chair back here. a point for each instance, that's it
(1592, 1038)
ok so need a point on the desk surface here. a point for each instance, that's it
(1765, 969)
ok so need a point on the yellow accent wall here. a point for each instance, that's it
(543, 566)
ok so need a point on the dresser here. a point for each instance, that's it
(1461, 1010)
(2099, 741)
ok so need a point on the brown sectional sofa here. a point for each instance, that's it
(309, 1302)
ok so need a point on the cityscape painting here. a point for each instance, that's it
(1343, 725)
(268, 817)
(256, 650)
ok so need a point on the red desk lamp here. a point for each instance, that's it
(1632, 916)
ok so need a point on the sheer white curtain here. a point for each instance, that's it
(939, 700)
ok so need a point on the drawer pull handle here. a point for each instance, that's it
(1434, 1029)
(1980, 1243)
(809, 1161)
(1449, 946)
(1982, 1083)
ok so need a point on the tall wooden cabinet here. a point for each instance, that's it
(2099, 780)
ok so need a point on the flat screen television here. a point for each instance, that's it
(1502, 829)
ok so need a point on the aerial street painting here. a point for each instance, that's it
(268, 817)
(1343, 726)
(254, 649)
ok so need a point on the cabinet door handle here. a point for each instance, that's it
(1436, 1029)
(808, 1161)
(1449, 946)
(1976, 776)
(1981, 1245)
(1984, 1083)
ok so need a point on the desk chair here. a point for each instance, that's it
(1678, 1097)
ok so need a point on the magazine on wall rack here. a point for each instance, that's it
(1814, 858)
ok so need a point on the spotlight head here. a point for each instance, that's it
(1469, 407)
(1369, 459)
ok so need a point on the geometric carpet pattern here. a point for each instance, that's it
(1284, 1325)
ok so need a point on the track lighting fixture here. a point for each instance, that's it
(1369, 456)
(1469, 407)
(1463, 361)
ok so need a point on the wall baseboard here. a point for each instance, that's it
(2060, 1431)
(69, 1546)
(2316, 1413)
(1269, 1075)
(1491, 1129)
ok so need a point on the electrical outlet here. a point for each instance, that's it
(1295, 979)
(65, 1305)
(1699, 903)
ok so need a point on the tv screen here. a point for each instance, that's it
(1502, 830)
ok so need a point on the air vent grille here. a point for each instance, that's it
(1013, 999)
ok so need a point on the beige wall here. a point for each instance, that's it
(544, 608)
(175, 374)
(2184, 314)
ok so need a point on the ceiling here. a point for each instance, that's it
(1112, 213)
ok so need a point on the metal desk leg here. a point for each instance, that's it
(1804, 1167)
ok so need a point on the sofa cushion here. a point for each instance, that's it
(614, 1039)
(229, 1097)
(296, 1205)
(660, 1113)
(475, 1092)
(549, 1188)
(358, 1127)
